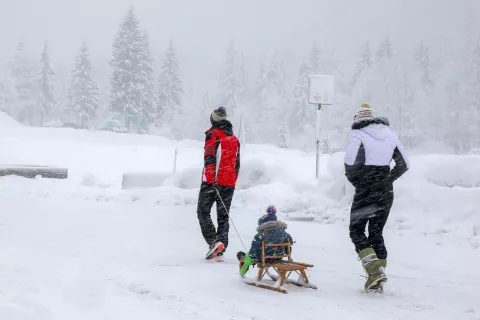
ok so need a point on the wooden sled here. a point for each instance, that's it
(283, 269)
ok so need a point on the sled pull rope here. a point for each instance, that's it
(231, 220)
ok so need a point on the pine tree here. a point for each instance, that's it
(148, 78)
(252, 118)
(302, 117)
(283, 135)
(243, 88)
(231, 86)
(432, 112)
(385, 79)
(276, 77)
(455, 133)
(316, 64)
(170, 90)
(406, 114)
(385, 51)
(204, 112)
(129, 84)
(474, 95)
(84, 97)
(47, 94)
(325, 145)
(272, 101)
(365, 62)
(4, 98)
(261, 82)
(424, 61)
(23, 85)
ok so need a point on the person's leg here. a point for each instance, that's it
(206, 199)
(358, 222)
(377, 224)
(224, 201)
(256, 249)
(253, 256)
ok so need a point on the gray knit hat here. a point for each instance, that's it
(219, 114)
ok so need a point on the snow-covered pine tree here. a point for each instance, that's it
(325, 145)
(272, 102)
(385, 79)
(261, 82)
(315, 63)
(283, 135)
(45, 78)
(455, 134)
(170, 90)
(243, 88)
(424, 62)
(276, 76)
(365, 62)
(148, 78)
(128, 92)
(83, 88)
(205, 111)
(231, 86)
(385, 52)
(433, 112)
(24, 86)
(406, 114)
(4, 98)
(474, 96)
(252, 120)
(206, 104)
(302, 120)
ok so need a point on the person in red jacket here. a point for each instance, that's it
(219, 177)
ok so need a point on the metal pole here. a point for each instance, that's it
(175, 161)
(317, 141)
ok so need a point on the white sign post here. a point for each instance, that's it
(320, 92)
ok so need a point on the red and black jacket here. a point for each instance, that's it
(222, 155)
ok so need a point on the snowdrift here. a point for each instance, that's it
(462, 172)
(7, 122)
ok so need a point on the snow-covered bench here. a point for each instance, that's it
(32, 171)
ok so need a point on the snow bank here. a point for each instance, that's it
(423, 203)
(456, 172)
(7, 122)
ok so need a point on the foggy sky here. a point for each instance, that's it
(202, 29)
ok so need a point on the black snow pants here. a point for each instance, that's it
(371, 205)
(207, 197)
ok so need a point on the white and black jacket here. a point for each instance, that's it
(371, 148)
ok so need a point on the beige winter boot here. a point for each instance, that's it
(374, 268)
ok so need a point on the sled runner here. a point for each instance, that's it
(283, 269)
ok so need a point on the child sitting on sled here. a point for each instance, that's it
(271, 231)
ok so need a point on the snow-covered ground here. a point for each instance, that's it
(83, 248)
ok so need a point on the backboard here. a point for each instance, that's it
(321, 90)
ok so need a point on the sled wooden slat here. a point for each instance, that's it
(263, 286)
(290, 264)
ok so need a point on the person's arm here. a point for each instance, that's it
(354, 158)
(290, 239)
(401, 162)
(237, 164)
(256, 248)
(210, 157)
